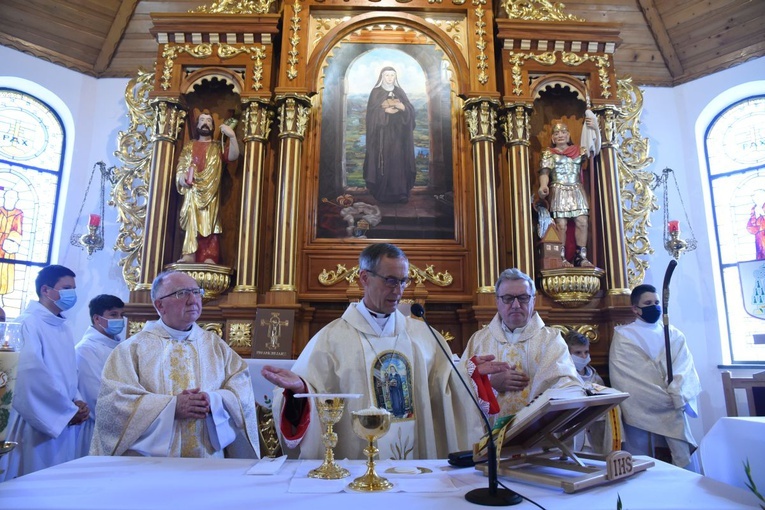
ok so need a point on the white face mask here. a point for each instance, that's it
(580, 363)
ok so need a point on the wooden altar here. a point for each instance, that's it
(487, 80)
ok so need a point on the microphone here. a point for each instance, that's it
(491, 496)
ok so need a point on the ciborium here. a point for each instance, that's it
(370, 424)
(11, 343)
(330, 409)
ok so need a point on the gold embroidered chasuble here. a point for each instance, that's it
(540, 352)
(407, 373)
(146, 371)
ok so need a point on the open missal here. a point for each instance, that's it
(535, 445)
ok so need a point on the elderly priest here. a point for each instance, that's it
(174, 389)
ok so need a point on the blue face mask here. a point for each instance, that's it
(66, 299)
(114, 326)
(650, 313)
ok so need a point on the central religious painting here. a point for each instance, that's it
(386, 165)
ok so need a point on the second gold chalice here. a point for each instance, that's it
(370, 424)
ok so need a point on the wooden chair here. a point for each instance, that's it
(755, 393)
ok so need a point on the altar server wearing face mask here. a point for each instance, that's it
(47, 406)
(656, 414)
(101, 337)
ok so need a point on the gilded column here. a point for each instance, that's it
(515, 126)
(481, 116)
(293, 117)
(257, 126)
(169, 116)
(615, 253)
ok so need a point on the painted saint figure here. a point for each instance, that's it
(389, 167)
(755, 225)
(197, 179)
(11, 219)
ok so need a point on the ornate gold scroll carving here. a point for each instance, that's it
(417, 275)
(638, 200)
(130, 191)
(537, 10)
(236, 7)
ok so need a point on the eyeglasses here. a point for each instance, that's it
(185, 293)
(508, 299)
(391, 281)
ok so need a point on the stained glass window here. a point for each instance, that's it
(735, 148)
(31, 160)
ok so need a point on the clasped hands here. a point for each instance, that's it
(82, 413)
(192, 405)
(393, 106)
(502, 375)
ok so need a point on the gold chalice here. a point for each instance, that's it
(330, 408)
(370, 424)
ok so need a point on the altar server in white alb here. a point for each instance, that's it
(174, 389)
(393, 361)
(47, 407)
(101, 337)
(656, 414)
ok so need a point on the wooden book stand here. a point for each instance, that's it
(534, 446)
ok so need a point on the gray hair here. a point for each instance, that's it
(159, 281)
(371, 256)
(512, 275)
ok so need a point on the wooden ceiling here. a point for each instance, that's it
(665, 42)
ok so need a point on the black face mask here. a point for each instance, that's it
(650, 313)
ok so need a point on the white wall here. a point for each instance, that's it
(93, 111)
(673, 119)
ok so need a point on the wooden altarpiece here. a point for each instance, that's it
(486, 82)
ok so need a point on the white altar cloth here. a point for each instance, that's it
(140, 483)
(729, 444)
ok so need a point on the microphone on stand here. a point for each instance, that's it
(492, 495)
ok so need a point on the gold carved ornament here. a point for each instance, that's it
(236, 7)
(480, 31)
(293, 53)
(588, 330)
(417, 275)
(131, 188)
(240, 335)
(214, 327)
(602, 62)
(537, 10)
(204, 50)
(638, 199)
(171, 51)
(547, 58)
(135, 327)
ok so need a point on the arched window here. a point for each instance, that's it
(735, 150)
(32, 142)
